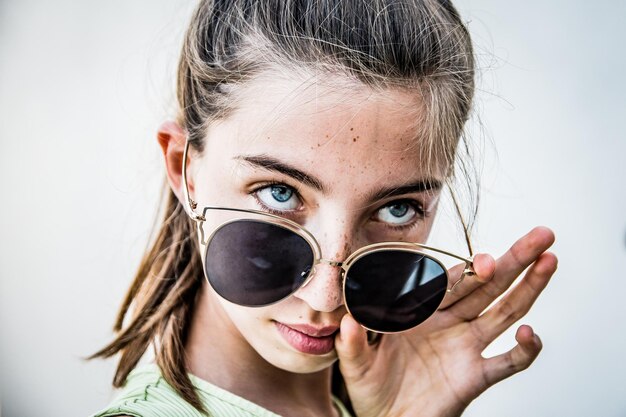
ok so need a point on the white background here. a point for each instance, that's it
(84, 85)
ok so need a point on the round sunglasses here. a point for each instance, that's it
(254, 258)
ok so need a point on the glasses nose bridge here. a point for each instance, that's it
(331, 263)
(313, 271)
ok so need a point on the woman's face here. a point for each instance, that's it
(342, 162)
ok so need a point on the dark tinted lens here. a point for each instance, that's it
(253, 263)
(393, 290)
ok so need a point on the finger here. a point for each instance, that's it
(518, 301)
(354, 353)
(484, 267)
(515, 360)
(508, 267)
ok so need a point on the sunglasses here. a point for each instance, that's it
(253, 258)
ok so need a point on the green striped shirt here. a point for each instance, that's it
(147, 394)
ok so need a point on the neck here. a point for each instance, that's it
(217, 352)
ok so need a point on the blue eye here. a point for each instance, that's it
(399, 210)
(397, 213)
(280, 193)
(278, 197)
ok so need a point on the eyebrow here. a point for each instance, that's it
(272, 164)
(420, 186)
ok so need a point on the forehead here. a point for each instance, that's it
(334, 129)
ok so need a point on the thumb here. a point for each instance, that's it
(355, 355)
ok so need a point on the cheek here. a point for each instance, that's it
(429, 220)
(252, 326)
(242, 317)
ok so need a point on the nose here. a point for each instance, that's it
(324, 289)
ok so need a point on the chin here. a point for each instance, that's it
(301, 363)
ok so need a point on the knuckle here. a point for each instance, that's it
(514, 366)
(517, 252)
(507, 311)
(479, 333)
(509, 364)
(522, 365)
(490, 290)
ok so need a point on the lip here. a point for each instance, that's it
(307, 338)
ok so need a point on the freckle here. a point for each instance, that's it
(326, 135)
(351, 128)
(353, 139)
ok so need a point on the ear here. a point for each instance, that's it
(172, 140)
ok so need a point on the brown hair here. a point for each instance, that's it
(413, 45)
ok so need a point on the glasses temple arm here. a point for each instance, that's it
(467, 260)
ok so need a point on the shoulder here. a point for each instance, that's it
(147, 394)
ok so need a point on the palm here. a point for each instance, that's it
(441, 356)
(436, 368)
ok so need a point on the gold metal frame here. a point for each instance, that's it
(200, 219)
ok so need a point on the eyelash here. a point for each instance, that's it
(420, 215)
(254, 192)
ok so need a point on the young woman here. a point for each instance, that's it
(290, 275)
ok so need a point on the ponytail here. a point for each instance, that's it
(163, 296)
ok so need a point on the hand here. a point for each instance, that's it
(436, 369)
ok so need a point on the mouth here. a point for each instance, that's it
(307, 338)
